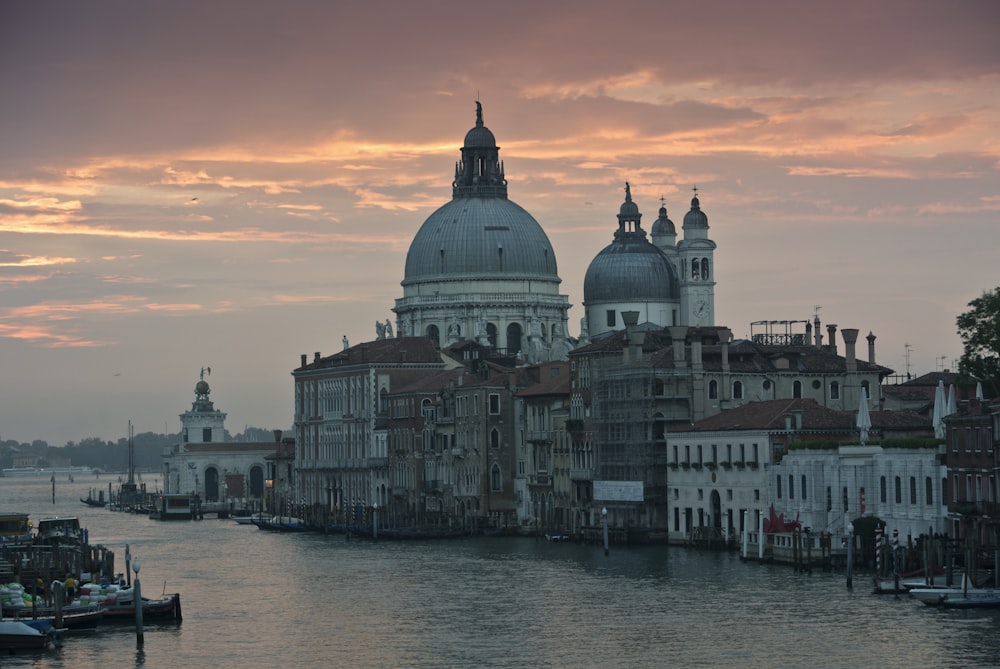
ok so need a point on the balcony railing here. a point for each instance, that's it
(581, 473)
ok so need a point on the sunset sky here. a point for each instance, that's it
(231, 184)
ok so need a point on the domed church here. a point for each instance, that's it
(481, 267)
(666, 283)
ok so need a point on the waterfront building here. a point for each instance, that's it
(341, 434)
(206, 464)
(542, 481)
(806, 462)
(972, 460)
(481, 268)
(632, 388)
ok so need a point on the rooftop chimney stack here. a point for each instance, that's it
(850, 336)
(871, 347)
(831, 331)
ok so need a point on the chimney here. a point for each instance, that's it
(809, 332)
(304, 356)
(316, 358)
(633, 339)
(871, 347)
(277, 436)
(816, 332)
(725, 336)
(677, 335)
(850, 336)
(831, 332)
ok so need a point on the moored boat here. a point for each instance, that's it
(17, 635)
(15, 528)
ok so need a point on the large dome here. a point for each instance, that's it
(471, 237)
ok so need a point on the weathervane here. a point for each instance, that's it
(205, 370)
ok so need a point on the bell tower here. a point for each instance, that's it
(697, 268)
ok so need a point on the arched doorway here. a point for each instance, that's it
(716, 510)
(211, 484)
(257, 482)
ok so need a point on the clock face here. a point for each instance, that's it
(701, 308)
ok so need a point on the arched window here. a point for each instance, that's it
(899, 490)
(737, 390)
(494, 438)
(704, 269)
(434, 334)
(882, 490)
(834, 390)
(694, 269)
(868, 392)
(797, 389)
(491, 334)
(496, 482)
(929, 490)
(514, 338)
(713, 390)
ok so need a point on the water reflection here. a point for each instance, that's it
(257, 599)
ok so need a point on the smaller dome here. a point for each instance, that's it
(201, 388)
(663, 225)
(480, 137)
(695, 218)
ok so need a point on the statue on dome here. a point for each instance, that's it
(388, 329)
(379, 330)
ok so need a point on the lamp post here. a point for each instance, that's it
(375, 520)
(604, 518)
(137, 602)
(850, 556)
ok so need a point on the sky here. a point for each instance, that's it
(231, 184)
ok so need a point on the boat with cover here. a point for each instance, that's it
(118, 603)
(280, 524)
(17, 635)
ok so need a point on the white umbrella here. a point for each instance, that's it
(952, 401)
(979, 391)
(939, 404)
(864, 422)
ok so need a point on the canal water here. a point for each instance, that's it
(257, 599)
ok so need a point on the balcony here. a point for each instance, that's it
(581, 473)
(540, 436)
(541, 478)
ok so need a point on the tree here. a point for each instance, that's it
(979, 328)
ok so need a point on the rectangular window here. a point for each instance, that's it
(611, 318)
(687, 454)
(929, 490)
(756, 495)
(699, 454)
(755, 458)
(803, 486)
(954, 488)
(899, 490)
(675, 454)
(913, 490)
(829, 498)
(779, 486)
(791, 487)
(206, 434)
(494, 404)
(715, 455)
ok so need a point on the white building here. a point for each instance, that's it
(204, 463)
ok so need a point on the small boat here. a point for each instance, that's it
(18, 635)
(75, 618)
(280, 524)
(173, 506)
(984, 600)
(15, 528)
(98, 501)
(244, 520)
(59, 530)
(556, 536)
(123, 608)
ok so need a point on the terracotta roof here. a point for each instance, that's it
(556, 385)
(770, 415)
(382, 351)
